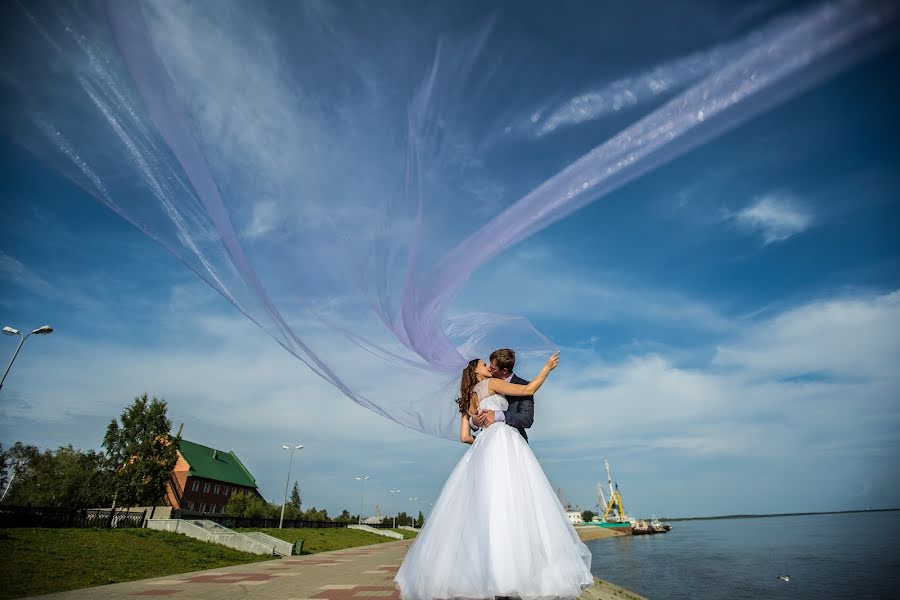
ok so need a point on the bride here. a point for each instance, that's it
(497, 528)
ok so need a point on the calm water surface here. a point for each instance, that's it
(827, 556)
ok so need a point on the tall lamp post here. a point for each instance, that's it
(288, 482)
(413, 500)
(362, 493)
(392, 502)
(45, 330)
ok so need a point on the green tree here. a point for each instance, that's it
(257, 508)
(345, 517)
(421, 520)
(315, 515)
(65, 478)
(237, 504)
(5, 469)
(295, 497)
(141, 452)
(588, 516)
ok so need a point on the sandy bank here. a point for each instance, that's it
(592, 532)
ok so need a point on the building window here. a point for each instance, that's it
(203, 507)
(190, 506)
(212, 509)
(206, 487)
(196, 486)
(216, 489)
(225, 490)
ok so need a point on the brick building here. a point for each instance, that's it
(204, 478)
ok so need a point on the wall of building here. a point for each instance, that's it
(209, 496)
(180, 476)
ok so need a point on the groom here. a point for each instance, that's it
(521, 408)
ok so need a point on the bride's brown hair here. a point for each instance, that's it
(466, 386)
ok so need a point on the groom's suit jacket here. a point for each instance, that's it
(521, 409)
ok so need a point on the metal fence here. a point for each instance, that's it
(100, 518)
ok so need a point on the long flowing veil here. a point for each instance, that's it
(339, 171)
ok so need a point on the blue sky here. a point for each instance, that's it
(729, 324)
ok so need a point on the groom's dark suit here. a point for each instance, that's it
(521, 409)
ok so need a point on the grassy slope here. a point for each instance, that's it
(323, 540)
(41, 561)
(406, 533)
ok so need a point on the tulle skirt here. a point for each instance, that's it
(497, 529)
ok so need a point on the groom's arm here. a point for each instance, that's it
(523, 416)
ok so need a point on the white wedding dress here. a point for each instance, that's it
(497, 529)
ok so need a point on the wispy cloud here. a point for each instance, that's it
(263, 220)
(741, 403)
(776, 217)
(15, 272)
(854, 337)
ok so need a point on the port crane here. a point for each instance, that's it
(613, 510)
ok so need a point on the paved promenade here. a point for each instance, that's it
(364, 573)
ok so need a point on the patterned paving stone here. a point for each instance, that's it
(230, 578)
(361, 574)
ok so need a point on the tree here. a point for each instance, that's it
(5, 469)
(236, 505)
(257, 508)
(588, 516)
(65, 478)
(345, 517)
(141, 452)
(314, 515)
(421, 520)
(295, 497)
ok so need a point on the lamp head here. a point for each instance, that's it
(10, 331)
(44, 330)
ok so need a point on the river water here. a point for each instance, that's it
(826, 556)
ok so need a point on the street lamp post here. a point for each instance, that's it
(395, 512)
(45, 330)
(288, 482)
(362, 492)
(414, 500)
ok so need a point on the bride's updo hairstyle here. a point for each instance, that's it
(466, 385)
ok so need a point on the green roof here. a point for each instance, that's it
(210, 463)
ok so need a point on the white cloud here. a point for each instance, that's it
(853, 337)
(775, 217)
(14, 271)
(263, 220)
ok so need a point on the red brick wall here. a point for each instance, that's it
(185, 484)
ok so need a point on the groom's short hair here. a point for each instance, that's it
(504, 359)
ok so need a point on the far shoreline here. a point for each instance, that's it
(795, 514)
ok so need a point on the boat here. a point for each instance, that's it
(642, 527)
(613, 516)
(659, 527)
(625, 527)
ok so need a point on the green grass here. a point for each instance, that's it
(41, 561)
(322, 540)
(407, 534)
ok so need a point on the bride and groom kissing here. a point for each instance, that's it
(497, 530)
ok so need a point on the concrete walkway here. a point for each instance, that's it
(364, 573)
